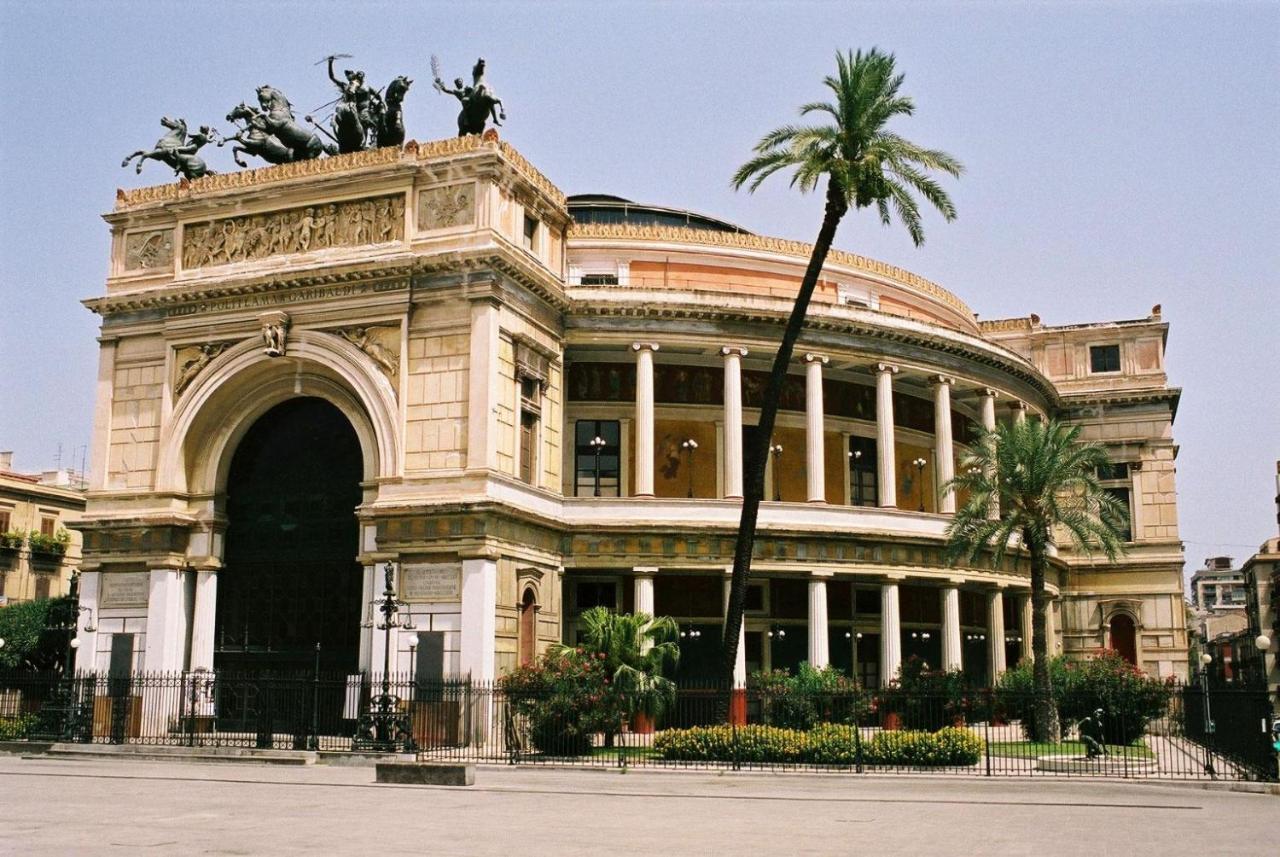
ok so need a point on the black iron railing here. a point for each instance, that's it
(975, 733)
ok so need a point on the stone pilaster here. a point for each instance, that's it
(479, 617)
(885, 454)
(202, 620)
(890, 634)
(819, 645)
(952, 658)
(995, 634)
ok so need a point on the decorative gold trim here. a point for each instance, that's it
(746, 241)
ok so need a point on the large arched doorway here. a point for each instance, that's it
(290, 578)
(1124, 637)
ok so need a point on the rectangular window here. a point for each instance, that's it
(6, 522)
(48, 526)
(531, 234)
(1104, 358)
(863, 473)
(755, 598)
(1122, 496)
(599, 279)
(528, 446)
(428, 668)
(597, 458)
(1114, 471)
(121, 655)
(595, 593)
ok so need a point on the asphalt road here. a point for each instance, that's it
(133, 807)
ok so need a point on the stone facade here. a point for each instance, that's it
(47, 503)
(478, 340)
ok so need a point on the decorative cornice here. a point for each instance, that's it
(412, 151)
(747, 241)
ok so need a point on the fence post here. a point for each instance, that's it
(314, 743)
(986, 744)
(733, 725)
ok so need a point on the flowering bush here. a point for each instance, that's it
(809, 697)
(54, 545)
(829, 744)
(1128, 696)
(926, 698)
(563, 701)
(12, 539)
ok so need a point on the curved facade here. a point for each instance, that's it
(551, 397)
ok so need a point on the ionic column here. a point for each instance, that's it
(819, 645)
(988, 398)
(890, 634)
(951, 648)
(479, 618)
(202, 620)
(644, 596)
(166, 622)
(733, 421)
(884, 435)
(1024, 614)
(1019, 410)
(815, 463)
(644, 417)
(739, 663)
(995, 634)
(943, 449)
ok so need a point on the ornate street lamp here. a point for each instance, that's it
(920, 463)
(597, 445)
(384, 728)
(690, 446)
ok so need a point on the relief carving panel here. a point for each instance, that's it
(352, 223)
(144, 251)
(446, 207)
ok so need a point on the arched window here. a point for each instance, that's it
(527, 647)
(1124, 637)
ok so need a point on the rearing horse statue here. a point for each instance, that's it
(391, 120)
(176, 150)
(254, 138)
(279, 120)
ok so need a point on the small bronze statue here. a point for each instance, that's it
(176, 150)
(1092, 735)
(479, 104)
(364, 118)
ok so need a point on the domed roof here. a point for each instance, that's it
(605, 208)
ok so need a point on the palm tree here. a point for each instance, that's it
(864, 165)
(1026, 481)
(637, 649)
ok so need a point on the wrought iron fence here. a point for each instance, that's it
(1183, 734)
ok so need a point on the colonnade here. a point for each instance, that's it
(815, 462)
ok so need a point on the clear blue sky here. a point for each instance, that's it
(1119, 155)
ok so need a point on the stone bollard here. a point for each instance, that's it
(425, 774)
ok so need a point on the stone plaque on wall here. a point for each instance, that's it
(431, 581)
(125, 589)
(146, 250)
(446, 207)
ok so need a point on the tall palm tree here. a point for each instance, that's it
(864, 165)
(1024, 482)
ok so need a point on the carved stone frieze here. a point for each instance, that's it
(381, 344)
(144, 251)
(446, 207)
(190, 361)
(275, 332)
(351, 223)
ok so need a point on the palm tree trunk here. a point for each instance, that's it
(758, 451)
(1044, 726)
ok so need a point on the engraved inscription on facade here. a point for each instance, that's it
(147, 250)
(352, 223)
(125, 589)
(431, 581)
(446, 207)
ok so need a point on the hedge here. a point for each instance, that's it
(827, 744)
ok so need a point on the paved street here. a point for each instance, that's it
(93, 807)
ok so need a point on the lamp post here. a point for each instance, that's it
(597, 445)
(920, 463)
(856, 492)
(775, 449)
(384, 728)
(1205, 660)
(690, 446)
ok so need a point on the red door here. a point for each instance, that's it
(527, 647)
(1124, 638)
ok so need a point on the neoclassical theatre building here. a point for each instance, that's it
(531, 405)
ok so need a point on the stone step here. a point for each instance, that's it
(247, 755)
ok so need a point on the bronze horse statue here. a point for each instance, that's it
(479, 104)
(278, 115)
(176, 150)
(254, 138)
(391, 116)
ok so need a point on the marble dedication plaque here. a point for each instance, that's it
(125, 589)
(431, 581)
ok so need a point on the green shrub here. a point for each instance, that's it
(17, 728)
(809, 697)
(929, 699)
(828, 744)
(563, 701)
(12, 539)
(1129, 697)
(30, 643)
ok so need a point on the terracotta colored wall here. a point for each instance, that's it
(910, 482)
(716, 278)
(671, 462)
(789, 472)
